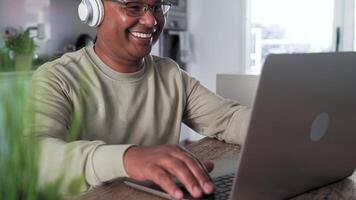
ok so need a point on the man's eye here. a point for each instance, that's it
(135, 8)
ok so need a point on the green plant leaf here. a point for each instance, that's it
(21, 43)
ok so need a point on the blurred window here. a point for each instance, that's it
(288, 26)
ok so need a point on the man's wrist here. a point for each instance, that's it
(108, 162)
(128, 154)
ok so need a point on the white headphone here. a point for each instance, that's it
(91, 12)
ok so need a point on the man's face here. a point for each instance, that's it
(126, 36)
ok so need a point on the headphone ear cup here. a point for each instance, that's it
(91, 12)
(84, 11)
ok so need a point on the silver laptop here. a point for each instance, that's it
(302, 132)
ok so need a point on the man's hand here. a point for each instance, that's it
(161, 163)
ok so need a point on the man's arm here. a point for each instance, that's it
(213, 116)
(63, 158)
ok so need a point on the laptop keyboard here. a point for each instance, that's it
(223, 187)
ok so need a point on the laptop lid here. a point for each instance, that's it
(302, 132)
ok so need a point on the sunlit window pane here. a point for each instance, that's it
(289, 26)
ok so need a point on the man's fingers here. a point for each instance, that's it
(199, 170)
(163, 179)
(180, 170)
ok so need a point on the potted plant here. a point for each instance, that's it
(23, 47)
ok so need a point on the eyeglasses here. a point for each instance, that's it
(137, 9)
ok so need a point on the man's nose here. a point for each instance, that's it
(148, 19)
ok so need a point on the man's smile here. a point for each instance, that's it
(141, 35)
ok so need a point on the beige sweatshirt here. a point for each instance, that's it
(86, 115)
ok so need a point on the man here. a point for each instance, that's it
(110, 110)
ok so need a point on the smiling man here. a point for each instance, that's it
(113, 110)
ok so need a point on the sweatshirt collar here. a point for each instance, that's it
(118, 76)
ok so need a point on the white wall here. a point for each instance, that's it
(216, 38)
(13, 12)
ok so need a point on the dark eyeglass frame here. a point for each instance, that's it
(145, 6)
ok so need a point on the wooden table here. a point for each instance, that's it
(213, 149)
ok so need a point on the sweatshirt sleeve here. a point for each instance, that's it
(212, 115)
(75, 164)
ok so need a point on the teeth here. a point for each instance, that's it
(142, 35)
